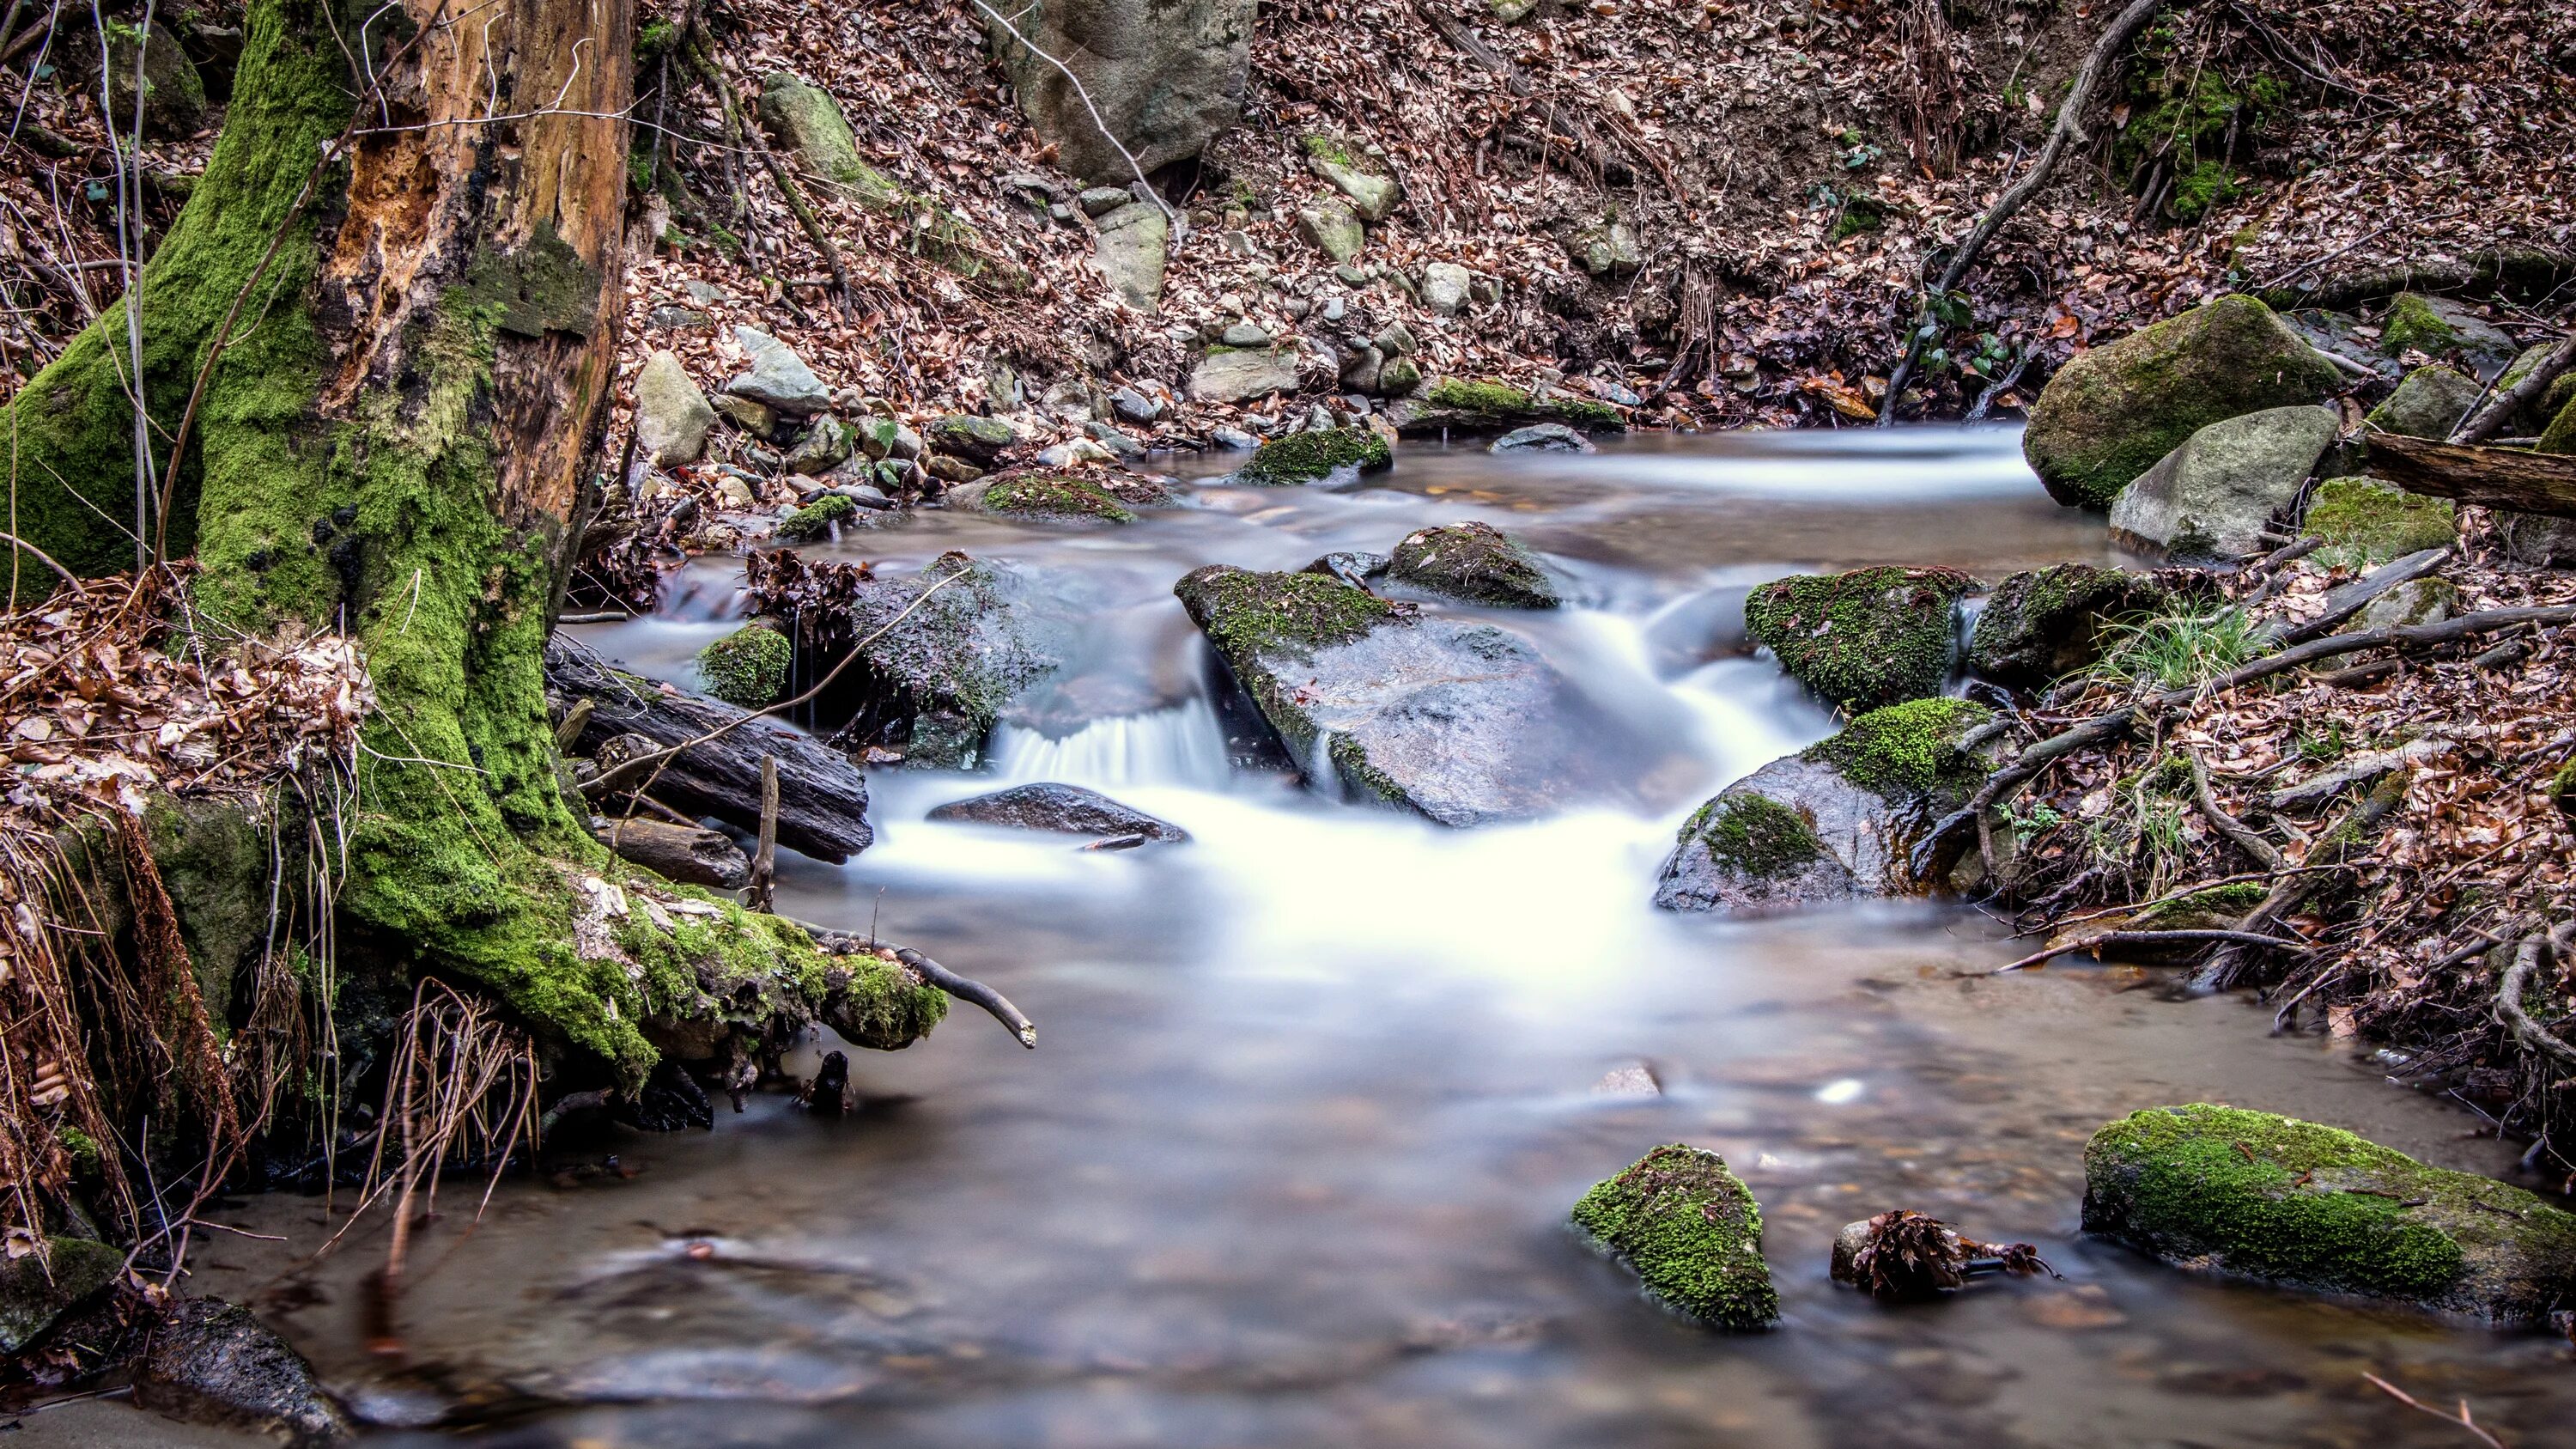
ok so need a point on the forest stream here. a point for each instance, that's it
(1314, 1089)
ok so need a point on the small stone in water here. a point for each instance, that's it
(1636, 1079)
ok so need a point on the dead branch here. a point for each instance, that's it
(2103, 940)
(2462, 1419)
(2509, 1010)
(2491, 477)
(2482, 423)
(2247, 838)
(970, 990)
(2067, 131)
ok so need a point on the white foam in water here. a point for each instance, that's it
(1183, 745)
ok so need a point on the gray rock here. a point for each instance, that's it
(1117, 442)
(2428, 404)
(1607, 248)
(940, 674)
(2537, 540)
(979, 440)
(174, 95)
(1360, 370)
(1350, 566)
(777, 377)
(1474, 562)
(1331, 228)
(1102, 200)
(1396, 340)
(2443, 328)
(1445, 288)
(805, 120)
(672, 417)
(39, 1288)
(1165, 77)
(677, 319)
(2044, 623)
(707, 293)
(1135, 407)
(1234, 440)
(1063, 809)
(1542, 438)
(1372, 197)
(2336, 335)
(1831, 822)
(1131, 251)
(1399, 377)
(1236, 374)
(213, 1363)
(2209, 500)
(1461, 722)
(754, 418)
(825, 445)
(1635, 1080)
(1242, 333)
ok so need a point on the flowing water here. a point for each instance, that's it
(1315, 1090)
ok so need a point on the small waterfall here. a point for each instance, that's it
(1322, 775)
(1182, 745)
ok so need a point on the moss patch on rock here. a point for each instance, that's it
(1052, 495)
(2363, 522)
(1907, 749)
(1308, 456)
(747, 667)
(2411, 322)
(2294, 1202)
(1476, 562)
(1502, 403)
(1755, 834)
(2112, 412)
(2048, 622)
(1860, 639)
(1693, 1233)
(815, 519)
(1249, 614)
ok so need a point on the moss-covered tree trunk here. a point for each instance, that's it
(392, 441)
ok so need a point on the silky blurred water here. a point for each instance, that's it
(1314, 1090)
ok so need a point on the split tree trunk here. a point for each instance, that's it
(407, 352)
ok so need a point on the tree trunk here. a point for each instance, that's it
(392, 436)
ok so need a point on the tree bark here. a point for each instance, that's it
(2493, 477)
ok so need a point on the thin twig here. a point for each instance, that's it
(2463, 1419)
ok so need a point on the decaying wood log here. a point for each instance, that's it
(2490, 477)
(823, 798)
(689, 854)
(2349, 599)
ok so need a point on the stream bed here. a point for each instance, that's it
(1315, 1090)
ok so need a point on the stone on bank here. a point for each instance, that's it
(1691, 1231)
(2208, 500)
(2292, 1202)
(1861, 639)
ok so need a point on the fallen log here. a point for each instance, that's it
(2350, 599)
(689, 854)
(823, 798)
(2489, 477)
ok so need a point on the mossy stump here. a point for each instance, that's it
(2293, 1202)
(1860, 639)
(1314, 455)
(1693, 1233)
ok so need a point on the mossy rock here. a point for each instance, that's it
(1042, 495)
(1908, 750)
(1476, 562)
(1247, 614)
(2292, 1202)
(2428, 404)
(747, 667)
(946, 668)
(36, 1289)
(978, 440)
(2363, 522)
(1500, 407)
(1861, 639)
(2562, 789)
(1747, 850)
(2112, 412)
(815, 519)
(1693, 1233)
(2560, 435)
(1314, 455)
(2412, 323)
(2045, 623)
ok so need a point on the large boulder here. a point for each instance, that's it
(1316, 455)
(2044, 623)
(1474, 562)
(39, 1287)
(1165, 77)
(2428, 404)
(1130, 252)
(2209, 500)
(2293, 1202)
(1461, 722)
(1693, 1233)
(1240, 374)
(2364, 522)
(672, 417)
(1061, 809)
(1864, 638)
(775, 377)
(2111, 412)
(1832, 821)
(211, 1362)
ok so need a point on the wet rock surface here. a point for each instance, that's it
(1474, 562)
(36, 1288)
(211, 1362)
(1861, 639)
(1062, 809)
(1693, 1233)
(2043, 623)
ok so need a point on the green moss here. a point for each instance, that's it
(1305, 457)
(1250, 614)
(1692, 1231)
(80, 1146)
(815, 519)
(753, 971)
(2364, 522)
(2562, 789)
(1861, 212)
(1906, 749)
(1756, 834)
(2273, 1197)
(2412, 322)
(1476, 562)
(1053, 495)
(747, 667)
(1864, 638)
(2216, 908)
(2209, 184)
(2560, 435)
(1503, 403)
(1330, 148)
